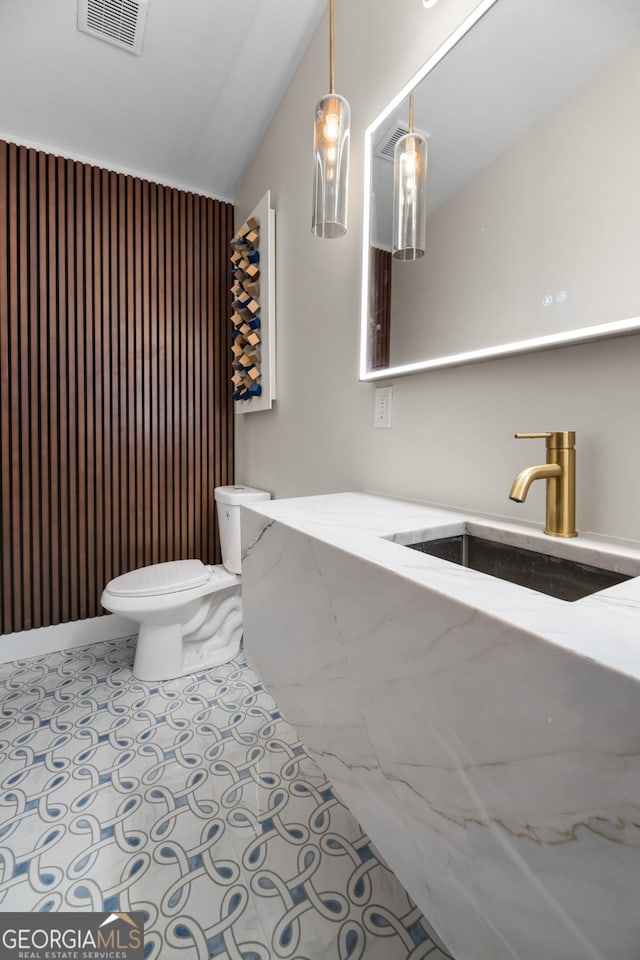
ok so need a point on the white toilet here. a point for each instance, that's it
(190, 615)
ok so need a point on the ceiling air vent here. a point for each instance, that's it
(387, 142)
(120, 22)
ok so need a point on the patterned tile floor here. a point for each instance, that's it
(193, 801)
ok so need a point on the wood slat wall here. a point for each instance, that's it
(379, 333)
(116, 418)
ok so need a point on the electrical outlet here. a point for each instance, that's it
(382, 408)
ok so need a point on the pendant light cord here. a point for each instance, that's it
(331, 71)
(411, 113)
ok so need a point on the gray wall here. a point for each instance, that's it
(452, 435)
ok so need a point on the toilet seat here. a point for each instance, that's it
(166, 587)
(160, 578)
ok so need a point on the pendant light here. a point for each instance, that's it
(409, 193)
(331, 138)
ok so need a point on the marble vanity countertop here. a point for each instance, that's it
(486, 736)
(604, 627)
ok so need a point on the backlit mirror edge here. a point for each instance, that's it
(600, 331)
(615, 328)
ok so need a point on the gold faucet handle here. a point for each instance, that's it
(556, 440)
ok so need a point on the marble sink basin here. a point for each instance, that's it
(556, 576)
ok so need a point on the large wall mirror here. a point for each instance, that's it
(531, 112)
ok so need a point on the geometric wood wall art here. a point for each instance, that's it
(253, 319)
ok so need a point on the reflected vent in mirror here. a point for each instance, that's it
(387, 143)
(119, 22)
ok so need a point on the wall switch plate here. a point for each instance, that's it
(382, 408)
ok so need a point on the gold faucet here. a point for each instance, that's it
(560, 473)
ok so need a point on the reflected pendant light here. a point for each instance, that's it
(331, 137)
(409, 193)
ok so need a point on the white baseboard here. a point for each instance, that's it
(63, 636)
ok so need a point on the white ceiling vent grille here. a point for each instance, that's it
(386, 144)
(120, 22)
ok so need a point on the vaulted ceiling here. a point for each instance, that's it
(190, 111)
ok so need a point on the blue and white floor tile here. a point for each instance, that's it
(194, 801)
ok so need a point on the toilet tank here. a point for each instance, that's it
(228, 503)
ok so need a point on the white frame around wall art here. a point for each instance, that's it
(264, 216)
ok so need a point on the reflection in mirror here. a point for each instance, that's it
(533, 228)
(409, 193)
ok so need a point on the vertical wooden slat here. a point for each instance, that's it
(208, 421)
(145, 425)
(5, 401)
(131, 380)
(175, 374)
(34, 393)
(227, 370)
(96, 287)
(104, 374)
(189, 513)
(122, 373)
(113, 330)
(139, 373)
(115, 409)
(24, 440)
(152, 510)
(182, 379)
(213, 346)
(14, 385)
(162, 409)
(43, 383)
(81, 405)
(72, 376)
(196, 546)
(90, 459)
(205, 492)
(218, 418)
(52, 399)
(61, 413)
(170, 330)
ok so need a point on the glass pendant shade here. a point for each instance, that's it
(409, 197)
(331, 167)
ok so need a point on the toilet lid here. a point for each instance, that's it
(160, 578)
